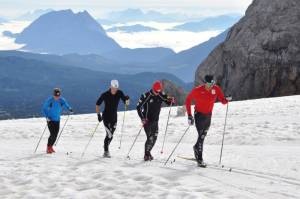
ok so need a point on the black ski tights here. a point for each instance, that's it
(54, 129)
(110, 129)
(202, 123)
(151, 130)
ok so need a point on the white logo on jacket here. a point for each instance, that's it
(213, 91)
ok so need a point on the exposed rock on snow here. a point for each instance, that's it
(173, 90)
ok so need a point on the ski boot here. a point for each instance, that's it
(148, 156)
(50, 150)
(201, 163)
(151, 157)
(106, 154)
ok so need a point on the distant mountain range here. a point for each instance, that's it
(182, 64)
(73, 51)
(138, 55)
(26, 83)
(82, 42)
(131, 29)
(213, 23)
(130, 15)
(185, 63)
(132, 61)
(63, 32)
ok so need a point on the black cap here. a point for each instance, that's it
(209, 78)
(57, 92)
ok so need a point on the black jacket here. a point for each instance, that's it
(111, 104)
(149, 105)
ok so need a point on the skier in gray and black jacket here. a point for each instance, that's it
(148, 108)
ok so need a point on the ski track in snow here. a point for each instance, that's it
(261, 146)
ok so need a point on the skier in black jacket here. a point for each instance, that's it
(148, 108)
(111, 99)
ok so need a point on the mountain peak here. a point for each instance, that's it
(64, 32)
(67, 12)
(84, 13)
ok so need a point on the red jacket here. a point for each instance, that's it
(204, 99)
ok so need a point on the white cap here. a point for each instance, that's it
(114, 83)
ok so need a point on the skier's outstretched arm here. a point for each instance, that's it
(167, 99)
(66, 105)
(221, 96)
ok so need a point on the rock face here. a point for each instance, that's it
(175, 91)
(261, 54)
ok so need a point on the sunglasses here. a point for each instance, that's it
(210, 84)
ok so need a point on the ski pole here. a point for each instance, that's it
(177, 144)
(136, 137)
(40, 138)
(221, 153)
(90, 140)
(122, 128)
(61, 130)
(162, 148)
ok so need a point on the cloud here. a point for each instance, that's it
(176, 40)
(7, 43)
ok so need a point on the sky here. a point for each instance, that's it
(99, 8)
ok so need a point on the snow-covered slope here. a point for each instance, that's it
(262, 145)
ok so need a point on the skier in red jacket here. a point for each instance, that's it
(204, 98)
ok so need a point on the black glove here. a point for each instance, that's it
(71, 111)
(191, 120)
(127, 97)
(171, 100)
(228, 98)
(99, 117)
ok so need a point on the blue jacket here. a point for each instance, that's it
(52, 108)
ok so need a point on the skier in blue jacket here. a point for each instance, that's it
(52, 109)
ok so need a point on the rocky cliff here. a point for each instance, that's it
(175, 91)
(261, 54)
